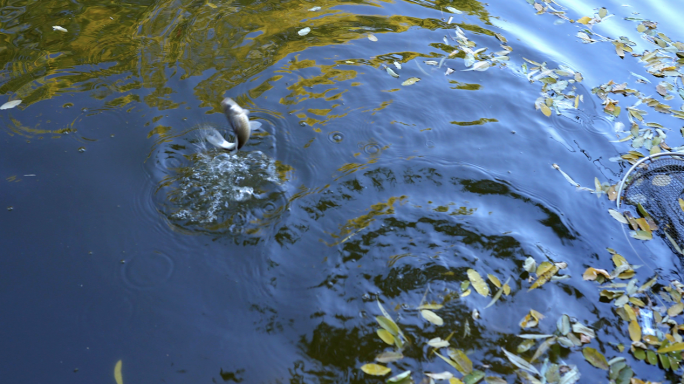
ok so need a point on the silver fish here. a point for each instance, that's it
(239, 122)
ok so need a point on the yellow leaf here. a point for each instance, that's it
(630, 312)
(466, 293)
(431, 317)
(672, 348)
(681, 204)
(385, 336)
(548, 272)
(494, 280)
(576, 101)
(117, 373)
(454, 380)
(531, 319)
(595, 358)
(376, 369)
(584, 20)
(211, 5)
(388, 324)
(479, 284)
(618, 260)
(592, 273)
(545, 110)
(634, 331)
(507, 289)
(675, 309)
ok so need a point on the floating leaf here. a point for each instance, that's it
(463, 363)
(388, 324)
(211, 5)
(478, 283)
(314, 9)
(430, 306)
(520, 362)
(531, 319)
(545, 271)
(495, 280)
(411, 81)
(117, 373)
(634, 331)
(431, 317)
(385, 336)
(506, 289)
(595, 358)
(618, 216)
(391, 72)
(530, 265)
(372, 37)
(563, 325)
(584, 20)
(453, 10)
(399, 378)
(676, 347)
(389, 357)
(10, 104)
(446, 375)
(58, 28)
(544, 347)
(592, 273)
(437, 342)
(525, 345)
(545, 110)
(454, 380)
(398, 65)
(675, 309)
(473, 377)
(376, 369)
(304, 31)
(495, 380)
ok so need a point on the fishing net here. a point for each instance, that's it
(657, 183)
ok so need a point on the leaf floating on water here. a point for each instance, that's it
(520, 362)
(592, 273)
(389, 357)
(618, 216)
(545, 110)
(463, 363)
(478, 283)
(391, 72)
(430, 62)
(454, 380)
(437, 342)
(376, 369)
(58, 28)
(304, 31)
(531, 319)
(117, 373)
(454, 10)
(431, 317)
(530, 265)
(634, 331)
(399, 378)
(388, 325)
(10, 104)
(595, 358)
(410, 81)
(211, 5)
(495, 380)
(675, 309)
(386, 336)
(314, 9)
(372, 37)
(495, 280)
(545, 271)
(448, 72)
(479, 66)
(446, 375)
(676, 347)
(397, 64)
(584, 20)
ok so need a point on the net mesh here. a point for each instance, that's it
(657, 185)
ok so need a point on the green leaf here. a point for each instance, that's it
(376, 369)
(461, 360)
(595, 358)
(474, 377)
(389, 357)
(388, 324)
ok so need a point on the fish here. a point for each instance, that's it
(238, 119)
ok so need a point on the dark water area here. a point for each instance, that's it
(125, 237)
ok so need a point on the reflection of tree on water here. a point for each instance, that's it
(222, 192)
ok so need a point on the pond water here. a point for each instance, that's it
(126, 238)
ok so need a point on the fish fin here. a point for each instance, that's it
(254, 125)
